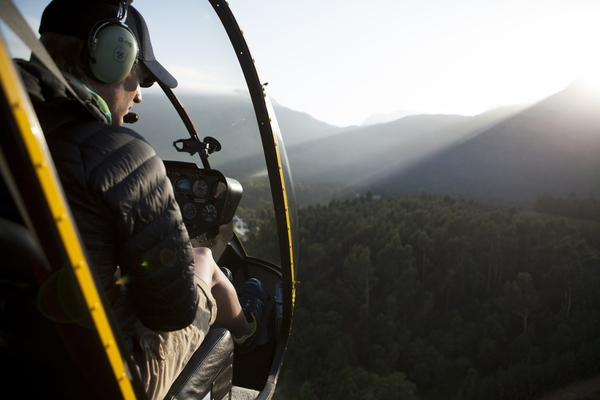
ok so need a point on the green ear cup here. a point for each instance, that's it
(113, 53)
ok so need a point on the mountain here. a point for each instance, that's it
(381, 118)
(299, 127)
(510, 154)
(365, 155)
(219, 116)
(552, 146)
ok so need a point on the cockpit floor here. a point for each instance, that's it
(238, 393)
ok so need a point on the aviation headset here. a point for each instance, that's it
(112, 49)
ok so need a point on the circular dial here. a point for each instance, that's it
(209, 213)
(189, 211)
(200, 188)
(182, 186)
(219, 190)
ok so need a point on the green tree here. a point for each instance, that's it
(520, 298)
(445, 315)
(358, 384)
(566, 274)
(420, 241)
(408, 288)
(357, 277)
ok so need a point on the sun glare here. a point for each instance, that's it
(591, 79)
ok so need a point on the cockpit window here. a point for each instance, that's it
(213, 90)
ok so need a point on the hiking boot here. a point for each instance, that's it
(253, 299)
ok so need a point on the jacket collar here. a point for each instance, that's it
(53, 103)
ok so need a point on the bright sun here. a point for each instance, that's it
(592, 79)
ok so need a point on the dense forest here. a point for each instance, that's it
(441, 298)
(572, 207)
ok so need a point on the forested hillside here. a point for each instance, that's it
(431, 298)
(572, 207)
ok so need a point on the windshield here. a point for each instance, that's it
(212, 88)
(213, 91)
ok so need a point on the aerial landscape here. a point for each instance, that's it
(444, 256)
(459, 282)
(445, 161)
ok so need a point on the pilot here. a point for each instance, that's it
(164, 293)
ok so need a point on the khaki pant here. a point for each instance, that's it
(166, 353)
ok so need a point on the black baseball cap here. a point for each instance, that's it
(78, 17)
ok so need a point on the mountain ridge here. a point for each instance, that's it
(506, 155)
(549, 147)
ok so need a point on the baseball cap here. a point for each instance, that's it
(78, 17)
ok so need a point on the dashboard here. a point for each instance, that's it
(206, 197)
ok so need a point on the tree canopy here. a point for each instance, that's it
(424, 297)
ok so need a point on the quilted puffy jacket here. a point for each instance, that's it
(123, 205)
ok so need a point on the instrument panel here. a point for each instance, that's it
(206, 197)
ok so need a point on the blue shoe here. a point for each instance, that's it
(252, 299)
(227, 273)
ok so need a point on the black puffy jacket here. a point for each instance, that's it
(123, 205)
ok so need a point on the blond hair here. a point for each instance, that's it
(66, 51)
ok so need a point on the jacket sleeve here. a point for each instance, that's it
(153, 248)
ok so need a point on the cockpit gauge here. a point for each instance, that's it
(200, 188)
(209, 213)
(182, 186)
(189, 211)
(219, 190)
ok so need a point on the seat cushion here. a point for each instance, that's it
(209, 369)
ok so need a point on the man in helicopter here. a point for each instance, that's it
(164, 293)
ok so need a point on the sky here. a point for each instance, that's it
(343, 60)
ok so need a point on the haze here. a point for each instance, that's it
(342, 61)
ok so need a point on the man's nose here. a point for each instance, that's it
(138, 95)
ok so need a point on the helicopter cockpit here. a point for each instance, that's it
(224, 154)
